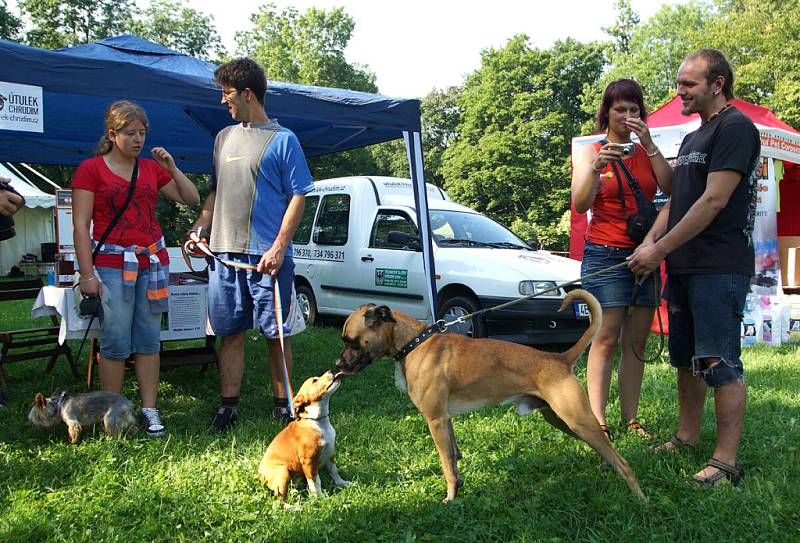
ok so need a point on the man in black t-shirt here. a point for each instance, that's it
(705, 234)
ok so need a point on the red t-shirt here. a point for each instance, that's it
(609, 220)
(138, 224)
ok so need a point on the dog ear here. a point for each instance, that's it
(299, 404)
(39, 400)
(377, 315)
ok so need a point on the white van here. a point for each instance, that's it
(358, 243)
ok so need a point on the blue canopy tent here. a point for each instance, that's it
(54, 103)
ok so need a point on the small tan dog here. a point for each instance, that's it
(306, 443)
(79, 411)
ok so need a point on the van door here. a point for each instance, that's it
(333, 250)
(392, 272)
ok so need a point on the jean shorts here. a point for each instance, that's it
(238, 298)
(705, 319)
(616, 288)
(128, 326)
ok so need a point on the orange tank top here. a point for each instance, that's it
(609, 220)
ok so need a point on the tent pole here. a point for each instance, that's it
(413, 142)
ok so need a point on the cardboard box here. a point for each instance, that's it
(789, 253)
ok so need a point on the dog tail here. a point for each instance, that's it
(595, 320)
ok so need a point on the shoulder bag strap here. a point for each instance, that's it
(122, 209)
(632, 182)
(619, 184)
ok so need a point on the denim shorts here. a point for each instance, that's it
(238, 298)
(705, 319)
(616, 288)
(127, 326)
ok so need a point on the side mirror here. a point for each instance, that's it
(533, 243)
(402, 239)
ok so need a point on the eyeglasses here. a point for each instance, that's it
(229, 93)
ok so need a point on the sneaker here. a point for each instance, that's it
(282, 415)
(224, 418)
(151, 420)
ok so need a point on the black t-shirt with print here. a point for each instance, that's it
(729, 141)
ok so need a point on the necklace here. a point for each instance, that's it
(726, 106)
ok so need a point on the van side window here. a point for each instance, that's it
(391, 221)
(333, 220)
(303, 234)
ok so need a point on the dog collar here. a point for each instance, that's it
(61, 399)
(436, 327)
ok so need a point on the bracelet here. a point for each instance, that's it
(86, 280)
(654, 153)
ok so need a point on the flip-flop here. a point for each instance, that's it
(677, 445)
(728, 472)
(607, 430)
(636, 427)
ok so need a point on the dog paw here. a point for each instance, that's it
(342, 483)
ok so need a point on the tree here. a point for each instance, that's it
(519, 111)
(440, 117)
(61, 23)
(759, 37)
(9, 24)
(174, 25)
(308, 48)
(304, 48)
(623, 27)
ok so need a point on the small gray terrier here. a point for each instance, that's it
(83, 410)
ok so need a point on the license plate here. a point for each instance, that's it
(581, 310)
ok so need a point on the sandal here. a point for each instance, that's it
(636, 426)
(607, 430)
(675, 444)
(734, 474)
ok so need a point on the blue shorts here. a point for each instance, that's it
(127, 327)
(239, 298)
(705, 319)
(616, 288)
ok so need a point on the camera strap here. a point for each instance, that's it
(115, 220)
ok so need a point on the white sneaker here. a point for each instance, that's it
(151, 420)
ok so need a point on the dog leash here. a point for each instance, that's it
(474, 314)
(279, 320)
(201, 245)
(205, 251)
(640, 279)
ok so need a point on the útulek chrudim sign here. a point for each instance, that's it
(21, 107)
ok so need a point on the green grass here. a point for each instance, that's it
(524, 481)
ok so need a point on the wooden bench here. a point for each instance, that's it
(30, 343)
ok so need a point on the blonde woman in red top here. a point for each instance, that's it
(596, 187)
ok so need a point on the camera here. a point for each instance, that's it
(91, 307)
(7, 223)
(627, 149)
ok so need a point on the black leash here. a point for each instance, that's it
(441, 325)
(640, 279)
(537, 294)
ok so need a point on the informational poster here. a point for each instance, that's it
(21, 107)
(186, 318)
(765, 232)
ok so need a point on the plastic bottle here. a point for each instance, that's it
(766, 321)
(51, 278)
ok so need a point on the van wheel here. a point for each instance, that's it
(308, 304)
(459, 306)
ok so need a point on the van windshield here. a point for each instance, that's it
(459, 229)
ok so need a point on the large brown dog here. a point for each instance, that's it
(450, 374)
